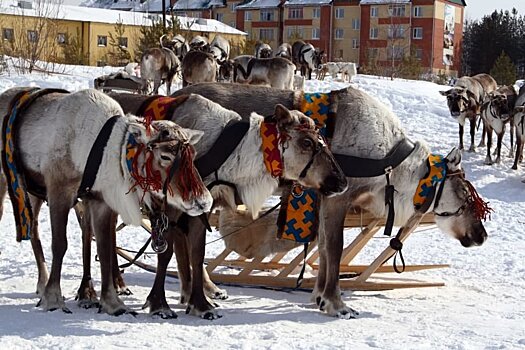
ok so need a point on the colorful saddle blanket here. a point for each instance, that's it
(16, 182)
(299, 214)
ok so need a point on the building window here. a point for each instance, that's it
(32, 36)
(396, 10)
(219, 16)
(295, 13)
(267, 15)
(340, 13)
(266, 34)
(8, 34)
(232, 7)
(418, 11)
(123, 42)
(373, 11)
(418, 33)
(419, 54)
(247, 15)
(355, 43)
(316, 12)
(396, 53)
(316, 33)
(61, 38)
(295, 33)
(356, 24)
(396, 32)
(374, 33)
(339, 33)
(102, 40)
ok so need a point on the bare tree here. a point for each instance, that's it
(36, 36)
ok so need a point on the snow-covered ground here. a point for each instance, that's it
(482, 305)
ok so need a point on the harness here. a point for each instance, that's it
(17, 184)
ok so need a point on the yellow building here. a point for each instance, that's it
(46, 30)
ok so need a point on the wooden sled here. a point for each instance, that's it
(281, 270)
(117, 82)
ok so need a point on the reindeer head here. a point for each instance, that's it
(226, 70)
(458, 100)
(162, 166)
(458, 207)
(499, 105)
(305, 156)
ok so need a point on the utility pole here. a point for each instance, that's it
(164, 14)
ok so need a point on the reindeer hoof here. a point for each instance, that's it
(472, 149)
(488, 162)
(88, 304)
(165, 314)
(211, 316)
(125, 291)
(347, 314)
(220, 295)
(514, 167)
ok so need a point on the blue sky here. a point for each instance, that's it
(476, 9)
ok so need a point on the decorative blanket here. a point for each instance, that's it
(159, 108)
(426, 189)
(299, 215)
(17, 185)
(15, 179)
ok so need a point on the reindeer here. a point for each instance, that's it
(465, 100)
(200, 43)
(306, 58)
(160, 65)
(263, 50)
(197, 67)
(519, 122)
(55, 165)
(365, 128)
(276, 71)
(284, 50)
(496, 113)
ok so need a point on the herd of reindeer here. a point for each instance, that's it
(201, 61)
(105, 157)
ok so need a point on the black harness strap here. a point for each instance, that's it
(223, 147)
(95, 157)
(364, 167)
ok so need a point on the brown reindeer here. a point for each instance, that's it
(160, 65)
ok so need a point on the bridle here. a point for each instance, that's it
(461, 209)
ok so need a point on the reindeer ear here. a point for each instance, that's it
(454, 159)
(445, 93)
(194, 136)
(283, 116)
(519, 109)
(139, 132)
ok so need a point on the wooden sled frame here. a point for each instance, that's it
(272, 272)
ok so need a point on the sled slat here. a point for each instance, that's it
(359, 242)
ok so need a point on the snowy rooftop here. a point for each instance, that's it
(307, 2)
(258, 4)
(89, 14)
(197, 4)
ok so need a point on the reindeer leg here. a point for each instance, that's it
(211, 289)
(102, 218)
(461, 137)
(118, 281)
(511, 152)
(59, 206)
(483, 133)
(488, 158)
(500, 141)
(330, 301)
(86, 294)
(36, 244)
(182, 255)
(156, 300)
(198, 304)
(518, 152)
(472, 134)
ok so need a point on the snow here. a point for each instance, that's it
(306, 2)
(482, 305)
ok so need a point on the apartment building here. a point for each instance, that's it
(262, 20)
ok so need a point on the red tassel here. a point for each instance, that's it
(189, 182)
(481, 208)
